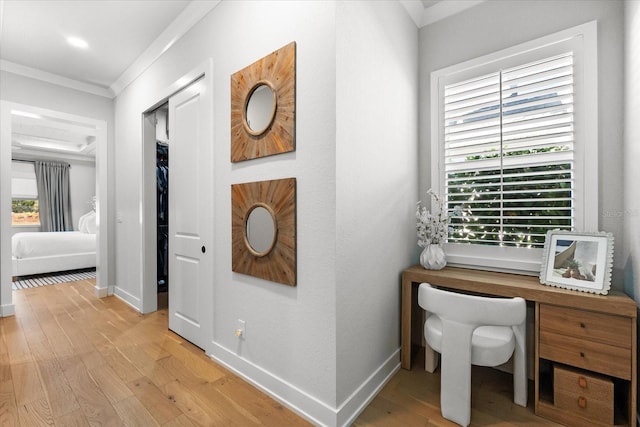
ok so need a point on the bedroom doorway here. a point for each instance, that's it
(15, 118)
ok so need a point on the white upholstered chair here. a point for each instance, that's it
(469, 329)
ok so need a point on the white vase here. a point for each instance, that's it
(433, 257)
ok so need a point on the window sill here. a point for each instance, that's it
(505, 260)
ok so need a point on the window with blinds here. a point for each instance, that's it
(509, 154)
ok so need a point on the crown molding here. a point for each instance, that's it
(56, 79)
(445, 9)
(423, 16)
(190, 16)
(415, 10)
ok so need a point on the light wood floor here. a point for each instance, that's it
(412, 398)
(70, 359)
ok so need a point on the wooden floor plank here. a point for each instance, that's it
(160, 405)
(181, 421)
(121, 365)
(95, 406)
(110, 384)
(133, 413)
(72, 419)
(36, 413)
(8, 409)
(16, 344)
(5, 363)
(59, 393)
(26, 383)
(186, 401)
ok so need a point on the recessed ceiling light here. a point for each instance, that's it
(77, 42)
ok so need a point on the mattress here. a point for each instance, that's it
(41, 244)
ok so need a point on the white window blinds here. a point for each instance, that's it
(509, 154)
(23, 181)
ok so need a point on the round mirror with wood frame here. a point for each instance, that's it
(263, 230)
(272, 130)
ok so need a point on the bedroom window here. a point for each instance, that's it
(24, 195)
(25, 212)
(513, 135)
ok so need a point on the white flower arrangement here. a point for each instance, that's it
(432, 228)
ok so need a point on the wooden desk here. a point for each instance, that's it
(615, 307)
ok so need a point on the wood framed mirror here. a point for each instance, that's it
(263, 230)
(263, 106)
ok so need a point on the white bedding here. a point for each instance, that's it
(43, 252)
(39, 244)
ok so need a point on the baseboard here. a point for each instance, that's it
(300, 402)
(297, 400)
(128, 298)
(368, 390)
(100, 292)
(7, 310)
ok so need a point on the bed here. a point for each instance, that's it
(47, 252)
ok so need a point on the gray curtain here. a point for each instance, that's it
(54, 196)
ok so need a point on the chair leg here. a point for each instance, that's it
(455, 379)
(520, 367)
(430, 359)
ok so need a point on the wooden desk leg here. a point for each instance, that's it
(405, 325)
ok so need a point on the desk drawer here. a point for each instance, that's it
(581, 353)
(583, 394)
(603, 328)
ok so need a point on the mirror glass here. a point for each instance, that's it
(261, 230)
(260, 108)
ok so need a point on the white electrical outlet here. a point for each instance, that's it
(240, 329)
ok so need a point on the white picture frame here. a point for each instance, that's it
(578, 261)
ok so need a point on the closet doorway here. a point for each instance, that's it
(159, 119)
(190, 207)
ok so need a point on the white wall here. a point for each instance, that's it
(82, 177)
(376, 187)
(496, 25)
(631, 253)
(289, 346)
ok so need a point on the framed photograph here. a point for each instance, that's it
(578, 261)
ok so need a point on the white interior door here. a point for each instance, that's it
(190, 214)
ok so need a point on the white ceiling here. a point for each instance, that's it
(34, 35)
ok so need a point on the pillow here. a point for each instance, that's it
(82, 224)
(91, 223)
(87, 223)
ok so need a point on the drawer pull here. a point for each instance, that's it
(582, 325)
(582, 382)
(581, 354)
(582, 402)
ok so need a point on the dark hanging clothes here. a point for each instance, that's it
(162, 177)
